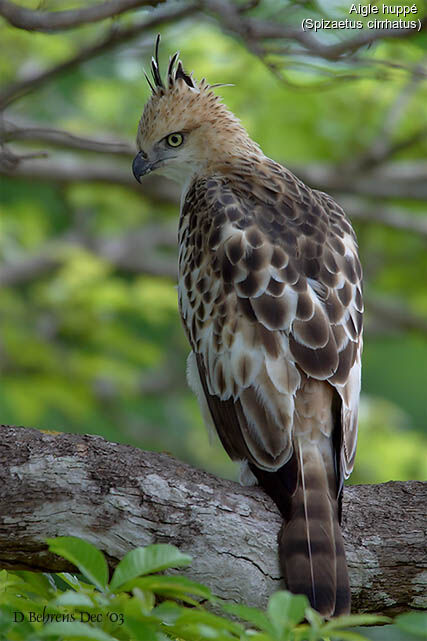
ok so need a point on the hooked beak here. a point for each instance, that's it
(141, 166)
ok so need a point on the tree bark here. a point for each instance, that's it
(119, 497)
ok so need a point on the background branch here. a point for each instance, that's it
(394, 314)
(138, 252)
(69, 169)
(231, 17)
(33, 132)
(390, 216)
(37, 20)
(394, 180)
(118, 497)
(255, 30)
(383, 146)
(114, 38)
(403, 179)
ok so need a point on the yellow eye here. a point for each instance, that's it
(175, 140)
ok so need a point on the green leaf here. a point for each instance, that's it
(152, 558)
(19, 604)
(36, 583)
(70, 579)
(178, 587)
(168, 612)
(141, 630)
(251, 635)
(146, 600)
(386, 633)
(414, 623)
(346, 635)
(314, 618)
(85, 556)
(74, 631)
(286, 610)
(252, 615)
(139, 607)
(192, 617)
(6, 617)
(348, 621)
(304, 632)
(17, 628)
(74, 599)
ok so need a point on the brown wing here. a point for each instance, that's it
(270, 292)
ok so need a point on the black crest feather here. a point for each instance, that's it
(155, 66)
(180, 73)
(172, 61)
(173, 73)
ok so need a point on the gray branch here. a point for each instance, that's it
(36, 20)
(139, 252)
(119, 497)
(231, 16)
(376, 213)
(399, 179)
(114, 38)
(404, 180)
(254, 31)
(28, 269)
(22, 130)
(392, 314)
(68, 169)
(384, 145)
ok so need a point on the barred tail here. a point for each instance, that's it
(311, 548)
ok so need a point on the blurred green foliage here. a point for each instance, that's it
(138, 603)
(90, 348)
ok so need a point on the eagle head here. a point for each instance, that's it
(185, 129)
